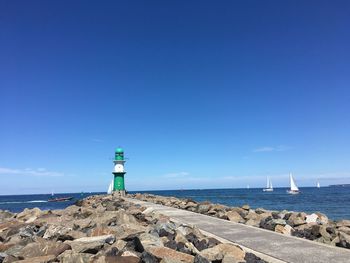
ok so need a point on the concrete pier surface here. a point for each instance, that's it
(269, 245)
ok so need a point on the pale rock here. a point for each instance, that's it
(90, 244)
(40, 259)
(234, 216)
(148, 240)
(345, 223)
(218, 252)
(311, 218)
(164, 252)
(29, 214)
(344, 229)
(54, 231)
(286, 229)
(322, 218)
(246, 207)
(43, 247)
(72, 257)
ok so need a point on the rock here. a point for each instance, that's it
(120, 244)
(121, 259)
(286, 229)
(164, 252)
(90, 244)
(41, 259)
(203, 208)
(55, 231)
(313, 218)
(252, 222)
(229, 259)
(147, 240)
(296, 219)
(270, 223)
(199, 259)
(344, 240)
(260, 210)
(321, 231)
(343, 229)
(2, 256)
(251, 258)
(5, 214)
(100, 231)
(218, 252)
(29, 214)
(322, 218)
(342, 223)
(246, 207)
(148, 258)
(15, 250)
(6, 246)
(71, 257)
(235, 217)
(43, 248)
(83, 224)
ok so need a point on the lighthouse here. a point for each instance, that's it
(119, 172)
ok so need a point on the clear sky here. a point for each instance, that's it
(200, 94)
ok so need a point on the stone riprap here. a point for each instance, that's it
(315, 226)
(108, 229)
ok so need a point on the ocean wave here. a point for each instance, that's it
(23, 202)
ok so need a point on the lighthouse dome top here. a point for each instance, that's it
(119, 150)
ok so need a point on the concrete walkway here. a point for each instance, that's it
(275, 246)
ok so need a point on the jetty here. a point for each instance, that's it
(271, 246)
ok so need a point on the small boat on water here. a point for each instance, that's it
(293, 187)
(269, 187)
(60, 199)
(318, 185)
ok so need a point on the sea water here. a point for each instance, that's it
(332, 201)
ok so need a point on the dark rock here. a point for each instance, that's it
(200, 259)
(251, 258)
(148, 258)
(212, 242)
(79, 203)
(171, 244)
(2, 257)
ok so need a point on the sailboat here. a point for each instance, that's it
(248, 187)
(110, 188)
(293, 187)
(269, 187)
(318, 185)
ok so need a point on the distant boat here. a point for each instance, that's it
(269, 187)
(248, 187)
(318, 185)
(52, 194)
(293, 187)
(110, 188)
(60, 199)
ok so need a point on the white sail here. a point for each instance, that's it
(110, 188)
(293, 186)
(267, 183)
(270, 186)
(318, 185)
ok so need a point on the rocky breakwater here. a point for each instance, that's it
(108, 229)
(315, 226)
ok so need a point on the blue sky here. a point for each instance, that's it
(200, 94)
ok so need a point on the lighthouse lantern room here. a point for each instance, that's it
(119, 172)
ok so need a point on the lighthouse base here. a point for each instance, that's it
(118, 193)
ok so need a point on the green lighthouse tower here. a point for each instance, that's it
(119, 172)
